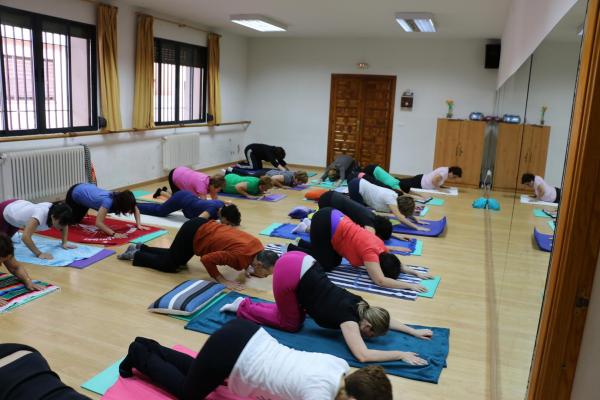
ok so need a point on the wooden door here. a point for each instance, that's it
(446, 143)
(360, 118)
(378, 111)
(534, 151)
(508, 153)
(470, 152)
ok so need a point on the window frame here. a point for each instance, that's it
(204, 95)
(37, 21)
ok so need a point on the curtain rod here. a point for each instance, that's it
(179, 24)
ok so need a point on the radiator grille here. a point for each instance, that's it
(181, 150)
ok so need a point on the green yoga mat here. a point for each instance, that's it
(418, 249)
(104, 380)
(538, 212)
(424, 212)
(431, 285)
(552, 225)
(311, 174)
(269, 229)
(148, 237)
(190, 317)
(325, 184)
(435, 202)
(139, 196)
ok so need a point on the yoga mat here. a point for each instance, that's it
(104, 253)
(311, 174)
(188, 318)
(432, 201)
(423, 212)
(538, 212)
(452, 191)
(146, 196)
(61, 257)
(270, 197)
(314, 338)
(297, 187)
(87, 232)
(525, 199)
(552, 225)
(173, 220)
(284, 231)
(435, 228)
(112, 387)
(325, 184)
(543, 240)
(148, 237)
(14, 292)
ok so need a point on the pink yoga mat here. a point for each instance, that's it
(138, 388)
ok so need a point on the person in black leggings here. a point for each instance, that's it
(26, 375)
(184, 376)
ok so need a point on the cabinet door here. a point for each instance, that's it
(446, 143)
(508, 152)
(378, 111)
(470, 152)
(344, 117)
(534, 151)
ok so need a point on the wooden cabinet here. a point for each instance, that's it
(460, 143)
(519, 149)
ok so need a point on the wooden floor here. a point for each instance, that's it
(490, 294)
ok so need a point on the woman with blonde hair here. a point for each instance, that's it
(301, 286)
(247, 186)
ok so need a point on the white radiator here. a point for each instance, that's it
(37, 175)
(181, 150)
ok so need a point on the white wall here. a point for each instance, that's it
(133, 157)
(289, 88)
(586, 385)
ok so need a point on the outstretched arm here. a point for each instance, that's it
(31, 226)
(405, 220)
(376, 275)
(358, 348)
(241, 188)
(18, 270)
(418, 333)
(138, 220)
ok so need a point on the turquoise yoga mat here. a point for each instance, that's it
(431, 285)
(435, 202)
(149, 237)
(190, 317)
(538, 212)
(552, 225)
(325, 184)
(311, 174)
(104, 380)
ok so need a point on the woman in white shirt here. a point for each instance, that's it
(31, 217)
(255, 366)
(432, 180)
(543, 191)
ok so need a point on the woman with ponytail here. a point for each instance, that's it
(301, 286)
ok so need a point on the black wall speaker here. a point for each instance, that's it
(492, 56)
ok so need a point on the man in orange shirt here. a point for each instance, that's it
(215, 243)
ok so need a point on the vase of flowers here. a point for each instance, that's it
(450, 104)
(544, 109)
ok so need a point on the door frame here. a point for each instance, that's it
(390, 131)
(577, 240)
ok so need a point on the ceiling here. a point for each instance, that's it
(481, 19)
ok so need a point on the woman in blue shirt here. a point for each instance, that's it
(83, 196)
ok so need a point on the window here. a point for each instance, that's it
(48, 74)
(179, 82)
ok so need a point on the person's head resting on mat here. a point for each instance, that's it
(263, 263)
(390, 265)
(300, 177)
(265, 183)
(406, 205)
(527, 179)
(366, 383)
(333, 174)
(217, 182)
(383, 227)
(59, 215)
(123, 202)
(373, 321)
(229, 214)
(454, 172)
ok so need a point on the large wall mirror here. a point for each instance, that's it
(532, 142)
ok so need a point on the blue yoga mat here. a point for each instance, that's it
(543, 240)
(435, 228)
(269, 197)
(314, 338)
(61, 257)
(284, 231)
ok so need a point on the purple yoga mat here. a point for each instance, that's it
(104, 253)
(270, 197)
(543, 240)
(435, 228)
(298, 188)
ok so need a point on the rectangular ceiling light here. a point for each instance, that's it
(258, 22)
(416, 22)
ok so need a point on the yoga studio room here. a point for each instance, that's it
(299, 200)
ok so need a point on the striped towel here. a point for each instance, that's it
(186, 297)
(350, 277)
(13, 291)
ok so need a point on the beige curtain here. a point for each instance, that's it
(214, 83)
(143, 101)
(110, 100)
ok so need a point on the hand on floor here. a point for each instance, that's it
(418, 288)
(424, 334)
(117, 235)
(143, 228)
(32, 287)
(412, 358)
(45, 256)
(232, 285)
(68, 246)
(423, 275)
(232, 307)
(421, 229)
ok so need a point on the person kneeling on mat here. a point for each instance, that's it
(256, 153)
(199, 183)
(341, 168)
(433, 180)
(543, 191)
(385, 200)
(248, 186)
(83, 196)
(215, 243)
(31, 217)
(7, 257)
(300, 286)
(255, 365)
(333, 236)
(192, 207)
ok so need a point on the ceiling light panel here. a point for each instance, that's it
(416, 22)
(258, 22)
